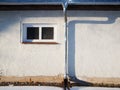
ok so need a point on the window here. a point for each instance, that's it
(39, 33)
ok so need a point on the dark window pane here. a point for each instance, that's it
(47, 32)
(32, 32)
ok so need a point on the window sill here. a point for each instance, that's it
(40, 43)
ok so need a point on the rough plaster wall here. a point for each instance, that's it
(17, 59)
(94, 43)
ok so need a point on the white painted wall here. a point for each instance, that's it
(94, 43)
(17, 59)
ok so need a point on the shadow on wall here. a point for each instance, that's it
(71, 40)
(13, 18)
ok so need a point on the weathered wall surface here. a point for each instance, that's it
(17, 59)
(94, 44)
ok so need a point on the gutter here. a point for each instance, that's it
(59, 3)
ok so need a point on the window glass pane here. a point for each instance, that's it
(47, 33)
(32, 32)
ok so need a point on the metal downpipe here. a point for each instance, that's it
(66, 77)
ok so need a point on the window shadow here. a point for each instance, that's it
(71, 45)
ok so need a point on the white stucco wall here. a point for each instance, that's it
(17, 59)
(94, 43)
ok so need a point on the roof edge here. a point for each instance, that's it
(59, 3)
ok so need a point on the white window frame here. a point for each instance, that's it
(40, 40)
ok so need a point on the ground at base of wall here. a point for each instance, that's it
(53, 88)
(93, 88)
(32, 81)
(58, 81)
(95, 82)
